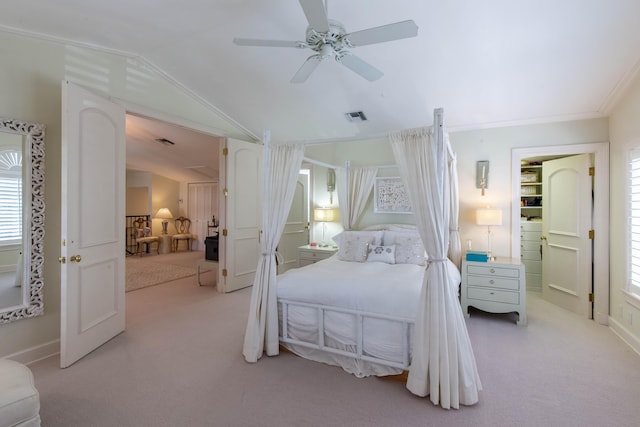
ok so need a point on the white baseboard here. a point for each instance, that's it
(36, 353)
(618, 329)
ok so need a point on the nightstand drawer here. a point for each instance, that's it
(493, 282)
(493, 295)
(313, 255)
(493, 271)
(309, 255)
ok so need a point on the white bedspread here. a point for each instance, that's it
(375, 287)
(370, 287)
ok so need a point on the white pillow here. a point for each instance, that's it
(409, 250)
(382, 254)
(375, 235)
(389, 237)
(354, 248)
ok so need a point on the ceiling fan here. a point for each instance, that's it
(330, 40)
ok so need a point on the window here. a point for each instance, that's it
(634, 222)
(10, 197)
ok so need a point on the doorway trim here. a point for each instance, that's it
(600, 151)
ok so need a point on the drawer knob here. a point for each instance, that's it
(492, 270)
(492, 282)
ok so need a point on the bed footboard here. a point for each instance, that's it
(360, 353)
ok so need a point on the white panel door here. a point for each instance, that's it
(202, 205)
(296, 229)
(566, 221)
(240, 214)
(93, 222)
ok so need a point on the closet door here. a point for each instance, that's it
(202, 205)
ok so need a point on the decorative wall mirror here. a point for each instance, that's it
(21, 219)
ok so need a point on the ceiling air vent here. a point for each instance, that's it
(165, 141)
(356, 116)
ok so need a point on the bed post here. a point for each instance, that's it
(438, 125)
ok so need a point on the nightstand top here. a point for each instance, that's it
(318, 248)
(498, 260)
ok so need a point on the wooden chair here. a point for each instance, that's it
(183, 228)
(143, 236)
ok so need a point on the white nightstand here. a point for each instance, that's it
(312, 254)
(496, 287)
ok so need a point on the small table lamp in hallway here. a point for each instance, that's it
(164, 214)
(489, 217)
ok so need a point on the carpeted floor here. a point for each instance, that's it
(142, 272)
(180, 363)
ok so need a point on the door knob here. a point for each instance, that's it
(75, 258)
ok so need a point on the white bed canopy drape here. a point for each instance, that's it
(443, 365)
(455, 248)
(354, 187)
(281, 168)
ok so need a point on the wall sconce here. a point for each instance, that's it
(482, 175)
(331, 183)
(323, 215)
(489, 217)
(164, 214)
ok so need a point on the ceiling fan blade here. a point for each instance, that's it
(269, 43)
(384, 33)
(358, 66)
(316, 14)
(307, 68)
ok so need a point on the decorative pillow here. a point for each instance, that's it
(382, 254)
(409, 250)
(376, 236)
(389, 237)
(354, 248)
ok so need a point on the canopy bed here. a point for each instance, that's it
(435, 345)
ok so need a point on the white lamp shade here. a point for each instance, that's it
(164, 213)
(323, 214)
(489, 217)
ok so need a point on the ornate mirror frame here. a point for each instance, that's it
(33, 219)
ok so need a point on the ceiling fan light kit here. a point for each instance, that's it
(330, 40)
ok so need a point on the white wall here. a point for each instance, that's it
(625, 135)
(494, 145)
(30, 83)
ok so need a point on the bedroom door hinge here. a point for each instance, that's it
(225, 192)
(224, 232)
(225, 151)
(592, 171)
(592, 234)
(592, 297)
(224, 272)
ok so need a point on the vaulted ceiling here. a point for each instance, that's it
(487, 63)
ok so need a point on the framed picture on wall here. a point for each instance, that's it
(390, 196)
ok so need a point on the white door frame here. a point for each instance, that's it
(600, 213)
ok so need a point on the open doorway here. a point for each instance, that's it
(600, 152)
(176, 169)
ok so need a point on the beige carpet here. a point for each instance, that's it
(145, 272)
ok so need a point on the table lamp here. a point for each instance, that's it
(164, 214)
(489, 217)
(323, 215)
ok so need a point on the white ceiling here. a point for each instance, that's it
(487, 63)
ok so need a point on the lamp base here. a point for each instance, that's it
(164, 226)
